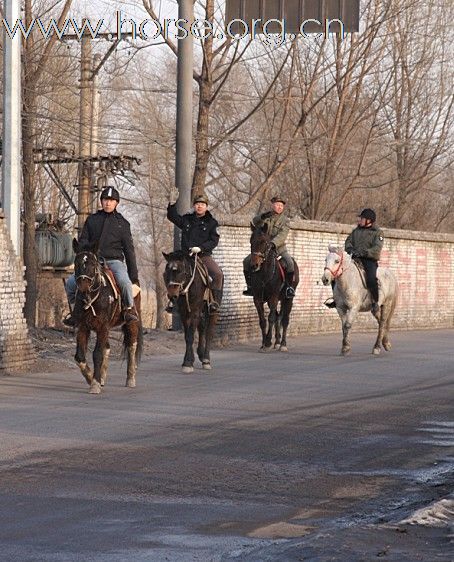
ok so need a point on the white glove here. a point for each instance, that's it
(173, 195)
(195, 250)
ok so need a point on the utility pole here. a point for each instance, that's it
(94, 141)
(86, 100)
(183, 158)
(183, 153)
(11, 165)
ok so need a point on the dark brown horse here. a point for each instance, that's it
(98, 309)
(186, 285)
(268, 286)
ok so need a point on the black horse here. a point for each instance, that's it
(98, 308)
(268, 286)
(186, 281)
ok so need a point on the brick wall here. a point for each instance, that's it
(16, 350)
(424, 263)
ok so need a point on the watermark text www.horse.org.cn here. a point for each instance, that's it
(151, 29)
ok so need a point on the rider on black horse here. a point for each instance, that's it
(365, 244)
(199, 235)
(278, 228)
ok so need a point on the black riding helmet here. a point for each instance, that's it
(110, 193)
(368, 214)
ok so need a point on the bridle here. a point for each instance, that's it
(96, 282)
(263, 255)
(337, 272)
(182, 289)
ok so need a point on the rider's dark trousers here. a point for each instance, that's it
(214, 270)
(370, 267)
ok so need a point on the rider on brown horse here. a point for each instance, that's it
(113, 234)
(199, 235)
(278, 228)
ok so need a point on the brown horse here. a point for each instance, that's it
(183, 277)
(268, 286)
(97, 308)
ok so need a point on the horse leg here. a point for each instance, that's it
(130, 335)
(277, 328)
(201, 347)
(286, 309)
(188, 361)
(259, 305)
(105, 364)
(272, 319)
(381, 319)
(209, 327)
(98, 359)
(81, 351)
(347, 319)
(387, 321)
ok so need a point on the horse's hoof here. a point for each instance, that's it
(206, 366)
(376, 351)
(345, 352)
(277, 346)
(387, 346)
(283, 348)
(264, 349)
(95, 387)
(131, 383)
(187, 369)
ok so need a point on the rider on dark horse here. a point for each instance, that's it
(365, 244)
(199, 235)
(112, 232)
(278, 228)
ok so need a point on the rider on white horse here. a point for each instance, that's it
(365, 244)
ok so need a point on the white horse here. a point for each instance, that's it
(351, 296)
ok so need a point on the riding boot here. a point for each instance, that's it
(248, 292)
(289, 290)
(216, 304)
(69, 320)
(130, 315)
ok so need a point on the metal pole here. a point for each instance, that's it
(84, 131)
(11, 167)
(94, 141)
(183, 158)
(183, 153)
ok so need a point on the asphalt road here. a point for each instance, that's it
(300, 456)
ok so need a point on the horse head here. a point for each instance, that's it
(261, 246)
(177, 272)
(335, 264)
(87, 269)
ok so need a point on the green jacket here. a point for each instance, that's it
(278, 228)
(365, 242)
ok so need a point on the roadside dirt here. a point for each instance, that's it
(57, 347)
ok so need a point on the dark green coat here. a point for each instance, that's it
(278, 228)
(365, 242)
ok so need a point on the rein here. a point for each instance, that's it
(185, 290)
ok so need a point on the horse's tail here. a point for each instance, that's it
(139, 347)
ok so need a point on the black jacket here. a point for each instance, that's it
(116, 243)
(195, 231)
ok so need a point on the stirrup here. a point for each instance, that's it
(129, 315)
(214, 306)
(330, 303)
(248, 292)
(170, 307)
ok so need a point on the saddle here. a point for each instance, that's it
(207, 280)
(113, 282)
(362, 273)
